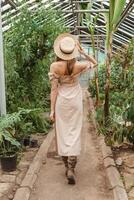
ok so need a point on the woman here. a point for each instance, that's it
(66, 99)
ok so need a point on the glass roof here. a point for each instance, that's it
(70, 12)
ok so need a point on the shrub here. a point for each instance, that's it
(28, 54)
(121, 124)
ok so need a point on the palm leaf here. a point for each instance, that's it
(112, 8)
(107, 20)
(119, 6)
(7, 136)
(88, 16)
(95, 18)
(91, 28)
(82, 15)
(111, 12)
(1, 138)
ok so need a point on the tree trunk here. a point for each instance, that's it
(96, 71)
(125, 66)
(107, 86)
(97, 86)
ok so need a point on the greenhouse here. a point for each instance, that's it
(67, 99)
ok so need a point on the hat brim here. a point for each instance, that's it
(59, 53)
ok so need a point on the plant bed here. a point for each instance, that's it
(13, 129)
(14, 178)
(124, 159)
(112, 172)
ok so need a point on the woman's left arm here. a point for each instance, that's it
(91, 59)
(54, 91)
(88, 57)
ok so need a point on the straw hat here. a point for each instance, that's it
(65, 46)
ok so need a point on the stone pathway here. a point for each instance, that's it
(92, 182)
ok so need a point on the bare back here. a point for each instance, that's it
(60, 67)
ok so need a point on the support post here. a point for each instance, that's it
(2, 76)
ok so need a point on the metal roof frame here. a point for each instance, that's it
(71, 14)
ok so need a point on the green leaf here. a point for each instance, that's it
(1, 139)
(112, 8)
(95, 18)
(107, 20)
(111, 14)
(88, 16)
(118, 9)
(7, 136)
(91, 27)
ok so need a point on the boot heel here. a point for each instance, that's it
(71, 180)
(71, 177)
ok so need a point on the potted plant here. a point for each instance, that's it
(9, 148)
(23, 132)
(25, 127)
(31, 122)
(33, 143)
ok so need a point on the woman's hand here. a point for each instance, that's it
(88, 57)
(52, 116)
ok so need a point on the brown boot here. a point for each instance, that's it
(71, 177)
(72, 160)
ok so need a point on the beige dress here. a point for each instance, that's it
(68, 114)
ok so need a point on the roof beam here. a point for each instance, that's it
(129, 7)
(86, 11)
(11, 3)
(91, 1)
(85, 27)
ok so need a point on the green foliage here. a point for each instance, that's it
(28, 54)
(32, 121)
(8, 142)
(121, 123)
(112, 18)
(16, 126)
(41, 124)
(118, 8)
(102, 78)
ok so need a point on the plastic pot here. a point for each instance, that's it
(33, 143)
(26, 141)
(9, 162)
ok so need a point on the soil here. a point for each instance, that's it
(91, 180)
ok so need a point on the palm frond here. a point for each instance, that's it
(118, 9)
(107, 21)
(88, 16)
